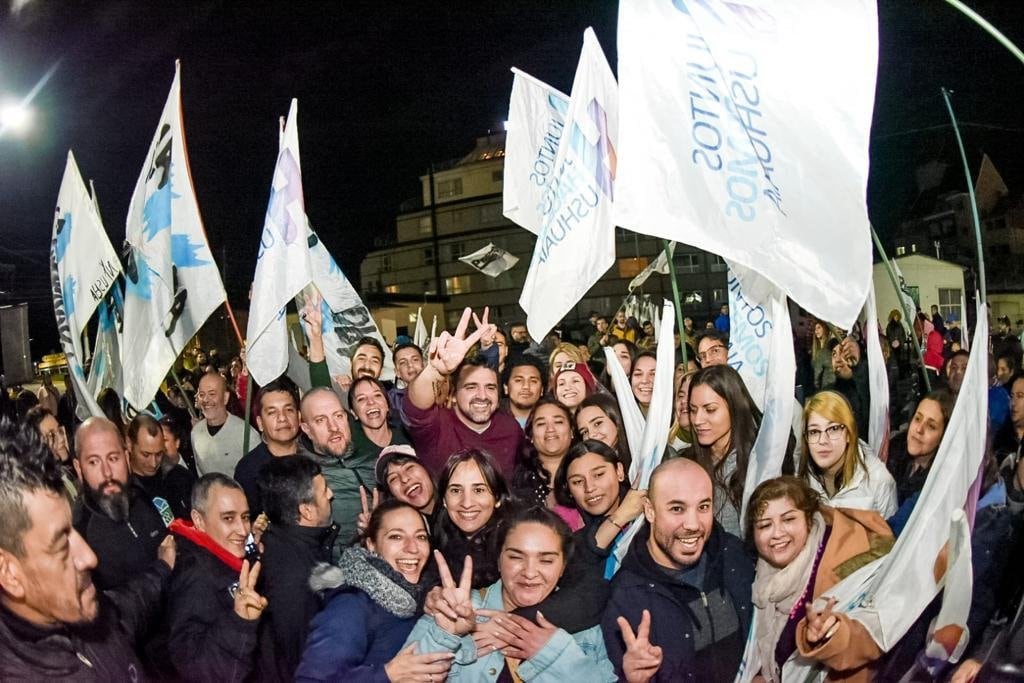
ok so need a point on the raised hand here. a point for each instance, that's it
(312, 318)
(455, 612)
(641, 660)
(821, 625)
(631, 507)
(523, 638)
(249, 604)
(167, 552)
(260, 525)
(368, 506)
(407, 666)
(488, 331)
(448, 350)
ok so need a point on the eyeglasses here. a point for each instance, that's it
(711, 351)
(833, 432)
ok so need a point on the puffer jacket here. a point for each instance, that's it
(370, 609)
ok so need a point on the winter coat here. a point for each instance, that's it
(344, 478)
(367, 617)
(124, 549)
(900, 465)
(103, 650)
(701, 630)
(289, 554)
(565, 657)
(872, 488)
(207, 640)
(174, 486)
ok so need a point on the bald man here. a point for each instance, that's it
(114, 514)
(691, 576)
(217, 439)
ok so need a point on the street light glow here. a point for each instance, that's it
(15, 117)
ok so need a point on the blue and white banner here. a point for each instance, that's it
(172, 284)
(744, 131)
(105, 370)
(536, 121)
(282, 262)
(83, 267)
(752, 326)
(576, 242)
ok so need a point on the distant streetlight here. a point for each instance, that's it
(15, 117)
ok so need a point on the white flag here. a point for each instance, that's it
(282, 263)
(658, 265)
(105, 370)
(536, 121)
(752, 326)
(172, 282)
(419, 337)
(744, 131)
(878, 381)
(576, 243)
(83, 266)
(491, 260)
(346, 319)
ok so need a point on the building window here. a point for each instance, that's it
(693, 296)
(391, 289)
(900, 251)
(631, 266)
(949, 304)
(458, 250)
(716, 264)
(687, 263)
(385, 264)
(425, 225)
(428, 256)
(490, 214)
(457, 285)
(719, 296)
(446, 189)
(498, 176)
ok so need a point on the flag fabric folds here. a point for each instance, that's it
(419, 337)
(878, 381)
(83, 267)
(752, 326)
(105, 370)
(491, 260)
(576, 242)
(282, 262)
(172, 283)
(744, 132)
(536, 121)
(658, 265)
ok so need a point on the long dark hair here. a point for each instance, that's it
(446, 529)
(562, 494)
(610, 406)
(528, 470)
(606, 376)
(745, 420)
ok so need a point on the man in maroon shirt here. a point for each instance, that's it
(436, 431)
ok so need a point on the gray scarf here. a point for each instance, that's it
(774, 593)
(359, 568)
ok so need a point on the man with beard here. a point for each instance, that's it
(688, 579)
(116, 517)
(54, 623)
(525, 382)
(217, 440)
(326, 423)
(474, 422)
(298, 505)
(277, 416)
(168, 490)
(371, 428)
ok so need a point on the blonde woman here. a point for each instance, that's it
(563, 353)
(837, 465)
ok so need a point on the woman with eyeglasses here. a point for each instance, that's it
(838, 466)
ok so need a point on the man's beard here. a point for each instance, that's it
(323, 449)
(113, 505)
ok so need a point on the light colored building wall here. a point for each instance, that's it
(929, 275)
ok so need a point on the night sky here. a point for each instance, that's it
(383, 90)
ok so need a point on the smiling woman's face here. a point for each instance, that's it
(531, 562)
(469, 499)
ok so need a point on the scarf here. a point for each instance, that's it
(185, 529)
(366, 571)
(775, 593)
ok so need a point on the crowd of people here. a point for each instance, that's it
(464, 520)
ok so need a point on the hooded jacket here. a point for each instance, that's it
(701, 629)
(101, 651)
(207, 641)
(344, 477)
(370, 610)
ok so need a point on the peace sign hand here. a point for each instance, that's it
(641, 660)
(821, 625)
(455, 612)
(249, 604)
(363, 518)
(488, 330)
(447, 351)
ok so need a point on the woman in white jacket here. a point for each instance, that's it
(842, 469)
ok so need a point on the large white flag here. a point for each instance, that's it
(346, 319)
(576, 243)
(536, 121)
(878, 381)
(83, 266)
(282, 263)
(744, 131)
(172, 282)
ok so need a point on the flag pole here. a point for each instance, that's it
(248, 409)
(188, 403)
(970, 194)
(902, 304)
(992, 30)
(670, 253)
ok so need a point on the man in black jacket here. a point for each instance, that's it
(277, 416)
(116, 517)
(297, 502)
(213, 607)
(169, 490)
(689, 578)
(54, 624)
